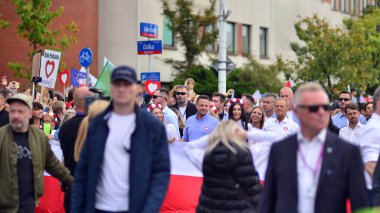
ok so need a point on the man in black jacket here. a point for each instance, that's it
(124, 165)
(68, 135)
(313, 170)
(184, 106)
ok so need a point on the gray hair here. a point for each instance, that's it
(376, 98)
(286, 102)
(308, 87)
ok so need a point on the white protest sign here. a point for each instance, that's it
(49, 68)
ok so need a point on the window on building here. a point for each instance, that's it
(344, 6)
(230, 37)
(361, 7)
(169, 40)
(353, 7)
(334, 4)
(210, 47)
(246, 35)
(263, 42)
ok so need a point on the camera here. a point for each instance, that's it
(99, 95)
(36, 79)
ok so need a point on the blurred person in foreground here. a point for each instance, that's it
(313, 170)
(124, 164)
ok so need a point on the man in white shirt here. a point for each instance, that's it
(269, 104)
(313, 171)
(124, 165)
(281, 124)
(352, 132)
(160, 96)
(287, 93)
(370, 146)
(218, 101)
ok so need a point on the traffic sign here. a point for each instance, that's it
(230, 65)
(149, 47)
(148, 30)
(154, 76)
(85, 57)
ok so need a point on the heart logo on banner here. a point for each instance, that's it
(64, 77)
(49, 68)
(152, 86)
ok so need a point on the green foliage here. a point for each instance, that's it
(336, 57)
(3, 23)
(190, 28)
(247, 79)
(254, 76)
(206, 80)
(35, 27)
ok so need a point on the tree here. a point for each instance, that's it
(336, 57)
(3, 23)
(36, 18)
(191, 29)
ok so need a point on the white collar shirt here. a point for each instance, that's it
(285, 127)
(309, 162)
(351, 135)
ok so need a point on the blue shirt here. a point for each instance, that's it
(196, 128)
(340, 120)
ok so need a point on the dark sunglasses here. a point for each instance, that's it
(181, 93)
(315, 108)
(343, 99)
(155, 96)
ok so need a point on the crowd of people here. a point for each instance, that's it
(285, 152)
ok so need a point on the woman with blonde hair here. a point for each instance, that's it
(230, 183)
(94, 109)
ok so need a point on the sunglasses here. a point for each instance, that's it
(181, 93)
(315, 108)
(155, 96)
(343, 99)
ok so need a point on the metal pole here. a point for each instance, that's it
(87, 76)
(222, 56)
(149, 59)
(34, 91)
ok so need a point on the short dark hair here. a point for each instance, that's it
(345, 92)
(271, 96)
(163, 90)
(58, 107)
(182, 87)
(351, 106)
(220, 95)
(249, 97)
(205, 97)
(37, 105)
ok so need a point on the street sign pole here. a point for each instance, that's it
(149, 59)
(222, 56)
(85, 59)
(88, 76)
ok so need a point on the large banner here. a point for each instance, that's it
(49, 68)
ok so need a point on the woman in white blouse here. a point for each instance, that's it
(171, 132)
(237, 114)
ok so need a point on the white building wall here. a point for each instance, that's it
(119, 29)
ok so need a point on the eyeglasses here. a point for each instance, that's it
(315, 108)
(155, 96)
(181, 93)
(343, 99)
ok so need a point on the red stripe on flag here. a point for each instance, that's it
(52, 200)
(183, 194)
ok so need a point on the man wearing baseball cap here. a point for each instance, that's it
(124, 165)
(24, 155)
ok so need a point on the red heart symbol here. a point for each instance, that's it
(64, 77)
(152, 86)
(52, 63)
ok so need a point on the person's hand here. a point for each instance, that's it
(171, 140)
(4, 81)
(50, 137)
(370, 167)
(241, 133)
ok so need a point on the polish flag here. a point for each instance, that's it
(185, 182)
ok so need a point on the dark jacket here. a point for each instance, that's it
(149, 169)
(191, 109)
(341, 178)
(376, 184)
(4, 117)
(42, 159)
(231, 183)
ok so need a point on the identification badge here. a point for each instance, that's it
(311, 191)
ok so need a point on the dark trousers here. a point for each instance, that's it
(67, 199)
(101, 211)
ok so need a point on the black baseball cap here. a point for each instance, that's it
(124, 73)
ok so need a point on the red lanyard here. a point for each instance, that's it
(317, 164)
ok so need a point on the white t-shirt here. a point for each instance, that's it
(182, 110)
(112, 190)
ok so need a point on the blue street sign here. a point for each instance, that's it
(85, 57)
(148, 30)
(149, 47)
(154, 76)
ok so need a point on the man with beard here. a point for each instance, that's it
(185, 107)
(24, 155)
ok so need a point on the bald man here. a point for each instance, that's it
(68, 134)
(287, 94)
